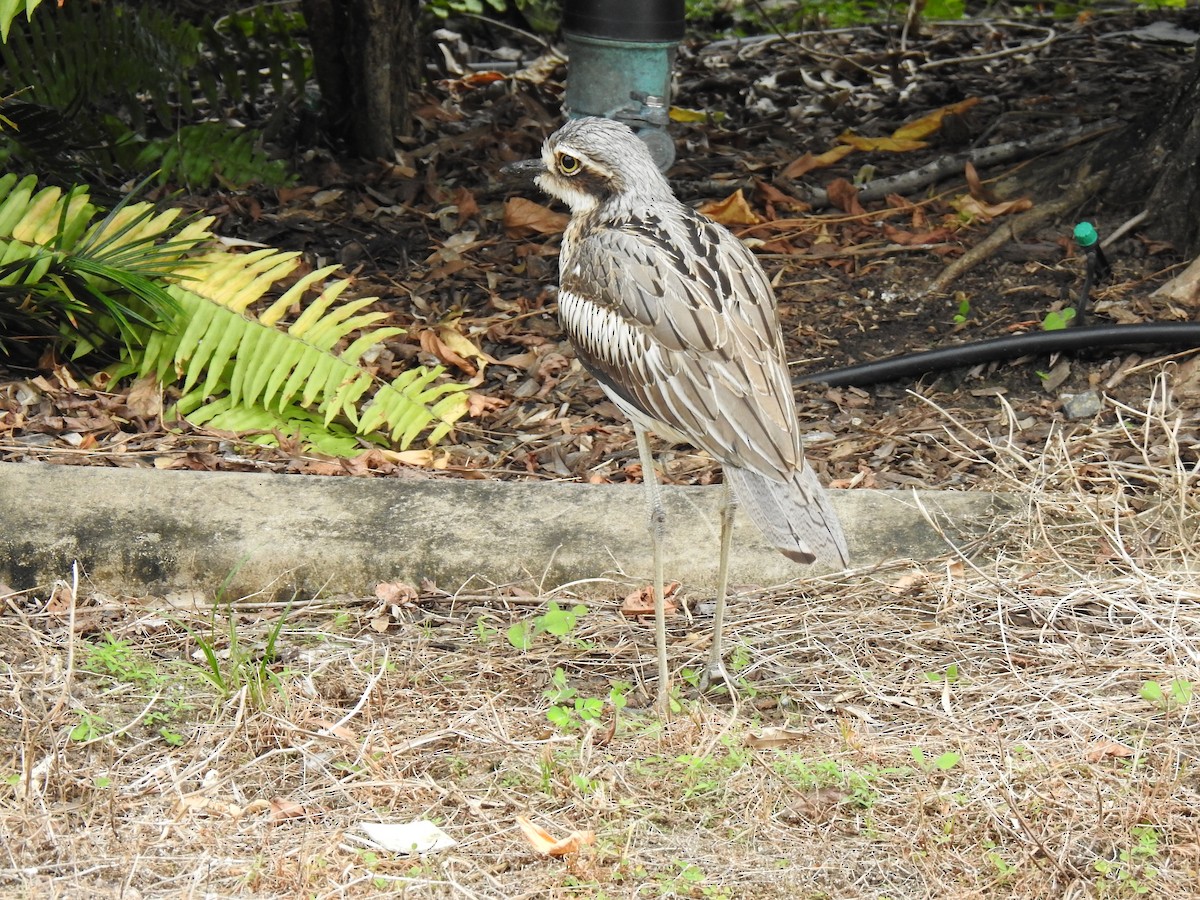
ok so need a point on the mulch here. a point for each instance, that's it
(454, 257)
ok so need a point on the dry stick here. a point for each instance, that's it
(982, 157)
(1013, 229)
(69, 674)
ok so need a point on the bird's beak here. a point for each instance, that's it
(524, 171)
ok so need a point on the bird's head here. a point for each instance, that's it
(589, 161)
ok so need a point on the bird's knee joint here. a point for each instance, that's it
(658, 521)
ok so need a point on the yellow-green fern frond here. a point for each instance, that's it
(249, 363)
(180, 303)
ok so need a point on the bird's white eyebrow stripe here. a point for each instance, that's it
(586, 162)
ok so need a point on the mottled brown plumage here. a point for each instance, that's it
(677, 321)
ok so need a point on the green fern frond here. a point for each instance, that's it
(222, 351)
(127, 87)
(195, 155)
(183, 315)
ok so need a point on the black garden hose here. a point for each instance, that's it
(1064, 340)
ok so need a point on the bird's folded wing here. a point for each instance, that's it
(674, 315)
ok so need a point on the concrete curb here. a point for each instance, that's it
(143, 530)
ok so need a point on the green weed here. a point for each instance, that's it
(571, 712)
(557, 621)
(1175, 695)
(1132, 873)
(941, 763)
(240, 665)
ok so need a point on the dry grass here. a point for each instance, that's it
(963, 727)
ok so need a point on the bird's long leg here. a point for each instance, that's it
(658, 528)
(715, 672)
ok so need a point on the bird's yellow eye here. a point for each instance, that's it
(568, 165)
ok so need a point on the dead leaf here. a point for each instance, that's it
(61, 600)
(481, 404)
(542, 841)
(468, 207)
(880, 144)
(220, 808)
(1102, 750)
(733, 210)
(844, 196)
(145, 398)
(453, 348)
(807, 163)
(397, 593)
(524, 217)
(971, 208)
(462, 345)
(772, 738)
(289, 195)
(931, 122)
(339, 731)
(641, 601)
(773, 196)
(282, 810)
(419, 458)
(906, 583)
(975, 185)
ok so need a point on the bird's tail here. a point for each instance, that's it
(795, 515)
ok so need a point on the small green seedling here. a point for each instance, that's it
(964, 310)
(950, 676)
(1058, 319)
(570, 712)
(557, 620)
(1132, 872)
(89, 727)
(943, 763)
(1176, 694)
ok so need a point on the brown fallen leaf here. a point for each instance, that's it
(1102, 750)
(975, 185)
(397, 592)
(481, 404)
(542, 841)
(338, 731)
(524, 217)
(220, 808)
(641, 601)
(844, 195)
(733, 210)
(462, 345)
(282, 810)
(771, 738)
(970, 208)
(431, 342)
(145, 398)
(773, 197)
(808, 162)
(418, 458)
(906, 583)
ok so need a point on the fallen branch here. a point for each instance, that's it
(1014, 228)
(982, 157)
